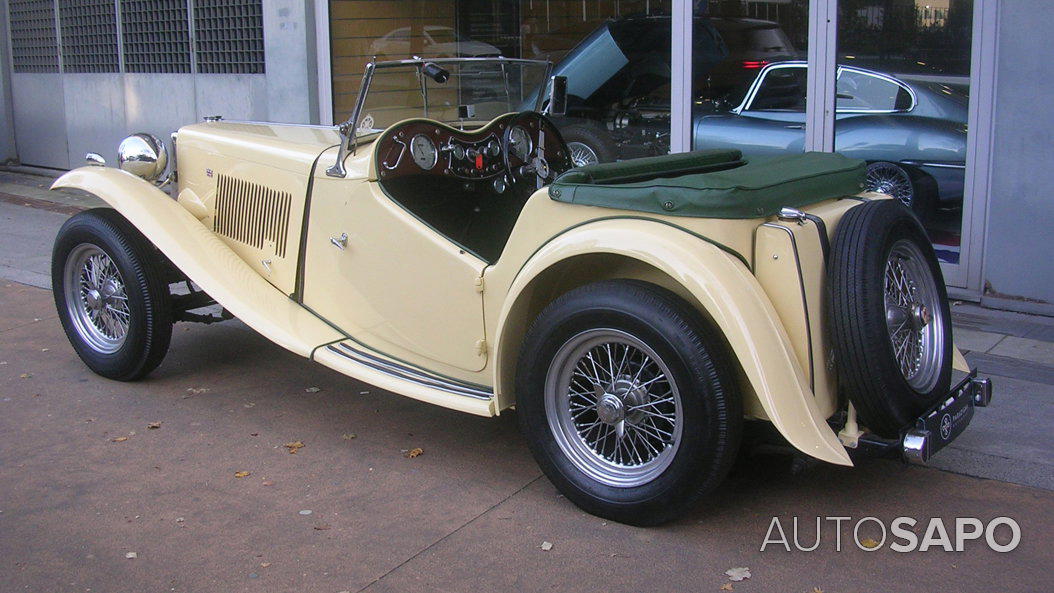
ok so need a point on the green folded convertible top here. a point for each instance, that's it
(712, 183)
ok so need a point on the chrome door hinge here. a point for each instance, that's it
(481, 347)
(479, 284)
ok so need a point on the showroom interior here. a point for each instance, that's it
(945, 99)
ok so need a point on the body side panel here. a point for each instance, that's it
(204, 258)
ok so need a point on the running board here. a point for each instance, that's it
(404, 380)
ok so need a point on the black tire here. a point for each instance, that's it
(869, 238)
(697, 360)
(592, 138)
(914, 188)
(149, 316)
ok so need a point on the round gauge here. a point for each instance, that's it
(424, 151)
(520, 142)
(459, 152)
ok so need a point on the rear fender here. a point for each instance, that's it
(204, 258)
(723, 286)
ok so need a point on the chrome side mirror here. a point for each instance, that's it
(143, 155)
(557, 96)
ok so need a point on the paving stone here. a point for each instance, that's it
(1026, 349)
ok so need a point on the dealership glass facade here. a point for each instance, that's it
(905, 110)
(901, 84)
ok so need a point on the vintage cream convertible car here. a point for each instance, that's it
(637, 315)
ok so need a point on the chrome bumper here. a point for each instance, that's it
(945, 421)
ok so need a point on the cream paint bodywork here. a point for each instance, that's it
(724, 267)
(204, 258)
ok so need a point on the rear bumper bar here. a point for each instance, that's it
(943, 423)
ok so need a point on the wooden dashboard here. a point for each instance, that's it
(426, 147)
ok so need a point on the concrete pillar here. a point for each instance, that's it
(8, 150)
(289, 54)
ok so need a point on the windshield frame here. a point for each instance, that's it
(350, 126)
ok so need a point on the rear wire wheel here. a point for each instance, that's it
(625, 395)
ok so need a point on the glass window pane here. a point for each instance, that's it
(616, 56)
(749, 78)
(903, 92)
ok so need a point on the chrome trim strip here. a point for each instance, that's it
(936, 165)
(756, 85)
(804, 302)
(407, 374)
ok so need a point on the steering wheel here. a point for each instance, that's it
(532, 149)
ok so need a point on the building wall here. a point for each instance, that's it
(7, 122)
(167, 79)
(1020, 230)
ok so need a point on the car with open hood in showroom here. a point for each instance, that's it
(749, 95)
(636, 315)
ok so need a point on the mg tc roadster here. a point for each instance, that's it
(637, 315)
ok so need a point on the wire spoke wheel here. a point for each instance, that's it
(914, 317)
(613, 407)
(891, 180)
(582, 154)
(96, 298)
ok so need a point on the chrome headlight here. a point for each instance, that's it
(143, 155)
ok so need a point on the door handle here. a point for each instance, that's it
(341, 242)
(795, 127)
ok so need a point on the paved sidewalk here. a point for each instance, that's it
(1008, 441)
(84, 481)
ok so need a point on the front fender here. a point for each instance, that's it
(729, 294)
(204, 258)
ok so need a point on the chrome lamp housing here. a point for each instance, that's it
(143, 155)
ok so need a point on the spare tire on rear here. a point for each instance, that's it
(889, 316)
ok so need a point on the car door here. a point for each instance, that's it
(389, 281)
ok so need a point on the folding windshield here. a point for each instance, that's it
(457, 91)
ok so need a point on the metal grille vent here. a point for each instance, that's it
(156, 36)
(33, 46)
(89, 36)
(229, 36)
(252, 214)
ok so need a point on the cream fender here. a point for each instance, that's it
(204, 258)
(729, 294)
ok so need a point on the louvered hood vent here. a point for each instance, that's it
(252, 214)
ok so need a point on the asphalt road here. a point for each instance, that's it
(84, 482)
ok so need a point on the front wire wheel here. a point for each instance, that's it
(613, 407)
(111, 295)
(96, 300)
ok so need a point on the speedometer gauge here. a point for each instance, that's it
(424, 151)
(520, 142)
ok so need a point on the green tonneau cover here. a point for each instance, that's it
(712, 183)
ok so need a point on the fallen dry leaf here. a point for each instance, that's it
(546, 546)
(738, 573)
(242, 474)
(294, 446)
(268, 483)
(726, 587)
(154, 425)
(25, 375)
(44, 349)
(265, 564)
(348, 436)
(416, 451)
(313, 390)
(817, 590)
(321, 527)
(869, 543)
(119, 439)
(131, 555)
